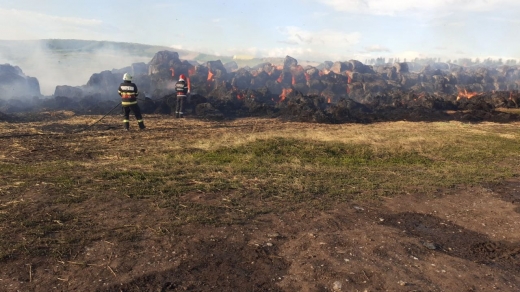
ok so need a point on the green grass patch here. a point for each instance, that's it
(328, 154)
(299, 171)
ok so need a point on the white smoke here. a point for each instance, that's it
(57, 66)
(386, 7)
(63, 67)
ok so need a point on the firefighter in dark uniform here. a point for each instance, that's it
(128, 92)
(182, 88)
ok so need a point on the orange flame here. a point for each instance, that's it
(210, 75)
(307, 76)
(240, 96)
(280, 79)
(285, 92)
(465, 94)
(349, 80)
(173, 72)
(328, 100)
(297, 71)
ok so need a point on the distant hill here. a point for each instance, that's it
(16, 49)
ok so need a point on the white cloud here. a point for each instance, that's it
(410, 55)
(292, 43)
(37, 17)
(268, 52)
(322, 44)
(377, 49)
(504, 20)
(387, 7)
(296, 42)
(287, 51)
(319, 15)
(443, 21)
(326, 37)
(22, 24)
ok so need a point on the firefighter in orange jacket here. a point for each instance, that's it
(128, 92)
(182, 88)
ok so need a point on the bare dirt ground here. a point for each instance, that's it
(462, 239)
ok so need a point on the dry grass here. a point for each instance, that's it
(242, 168)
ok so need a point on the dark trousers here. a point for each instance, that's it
(179, 109)
(137, 112)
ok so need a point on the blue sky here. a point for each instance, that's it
(306, 29)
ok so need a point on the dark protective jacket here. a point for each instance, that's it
(128, 92)
(181, 87)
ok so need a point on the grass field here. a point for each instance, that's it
(215, 174)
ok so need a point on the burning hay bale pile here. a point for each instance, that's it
(342, 91)
(332, 92)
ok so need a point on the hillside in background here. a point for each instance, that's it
(18, 50)
(72, 62)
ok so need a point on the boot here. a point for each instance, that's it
(141, 125)
(127, 126)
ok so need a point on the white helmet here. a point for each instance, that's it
(127, 77)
